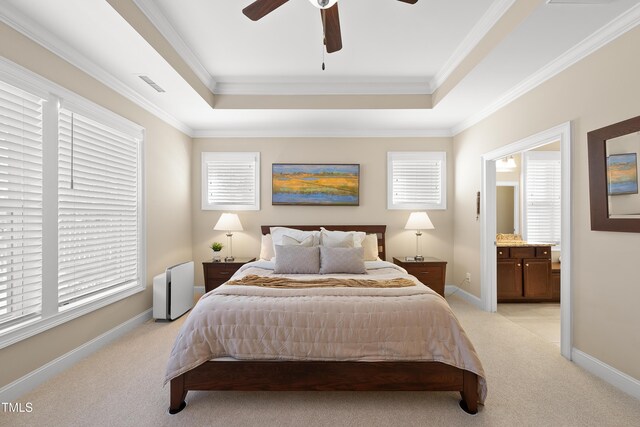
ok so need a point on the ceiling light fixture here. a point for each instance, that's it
(506, 164)
(323, 4)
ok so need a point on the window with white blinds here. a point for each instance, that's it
(20, 206)
(230, 181)
(416, 180)
(542, 198)
(71, 205)
(98, 217)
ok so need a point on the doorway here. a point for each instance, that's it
(488, 216)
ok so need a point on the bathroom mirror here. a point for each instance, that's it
(507, 203)
(613, 177)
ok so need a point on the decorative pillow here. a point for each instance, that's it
(299, 235)
(297, 260)
(341, 260)
(370, 245)
(266, 247)
(358, 236)
(290, 241)
(332, 240)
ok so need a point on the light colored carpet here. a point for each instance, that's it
(530, 384)
(543, 319)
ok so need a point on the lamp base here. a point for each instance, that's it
(229, 259)
(418, 258)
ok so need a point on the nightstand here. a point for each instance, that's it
(216, 273)
(430, 271)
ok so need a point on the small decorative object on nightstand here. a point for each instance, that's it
(419, 221)
(430, 271)
(216, 273)
(216, 247)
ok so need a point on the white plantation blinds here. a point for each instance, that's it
(98, 221)
(542, 196)
(20, 206)
(416, 180)
(230, 181)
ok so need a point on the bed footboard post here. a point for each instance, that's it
(178, 393)
(469, 402)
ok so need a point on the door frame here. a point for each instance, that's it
(488, 266)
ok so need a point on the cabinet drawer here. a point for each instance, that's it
(427, 274)
(543, 252)
(523, 252)
(502, 253)
(215, 273)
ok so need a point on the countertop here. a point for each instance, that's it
(502, 244)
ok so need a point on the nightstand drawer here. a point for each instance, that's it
(427, 274)
(217, 273)
(430, 271)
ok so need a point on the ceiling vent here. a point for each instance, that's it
(151, 83)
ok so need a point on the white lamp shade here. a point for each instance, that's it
(419, 221)
(228, 222)
(323, 4)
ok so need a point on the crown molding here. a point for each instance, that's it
(46, 39)
(162, 24)
(477, 33)
(270, 87)
(322, 133)
(606, 34)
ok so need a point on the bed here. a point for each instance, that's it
(208, 356)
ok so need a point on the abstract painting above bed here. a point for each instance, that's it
(315, 184)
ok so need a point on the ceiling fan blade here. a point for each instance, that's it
(260, 8)
(331, 26)
(409, 1)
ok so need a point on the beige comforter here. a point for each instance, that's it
(356, 324)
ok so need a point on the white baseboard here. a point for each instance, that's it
(21, 386)
(470, 298)
(608, 373)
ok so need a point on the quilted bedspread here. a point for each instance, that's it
(340, 324)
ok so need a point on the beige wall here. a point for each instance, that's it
(167, 163)
(370, 153)
(600, 90)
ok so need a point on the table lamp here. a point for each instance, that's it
(419, 221)
(229, 222)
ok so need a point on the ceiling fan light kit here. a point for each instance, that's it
(323, 4)
(328, 12)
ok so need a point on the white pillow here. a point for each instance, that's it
(370, 245)
(358, 236)
(299, 235)
(290, 241)
(333, 240)
(266, 247)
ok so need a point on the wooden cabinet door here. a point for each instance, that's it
(537, 278)
(509, 279)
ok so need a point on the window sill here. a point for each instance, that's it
(37, 326)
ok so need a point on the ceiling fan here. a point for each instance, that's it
(328, 13)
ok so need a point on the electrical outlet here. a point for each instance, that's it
(468, 277)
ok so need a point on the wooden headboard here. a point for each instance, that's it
(379, 230)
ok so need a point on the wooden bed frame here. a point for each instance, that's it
(252, 375)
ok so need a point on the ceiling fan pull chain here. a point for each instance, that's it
(324, 38)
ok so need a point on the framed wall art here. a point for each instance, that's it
(310, 184)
